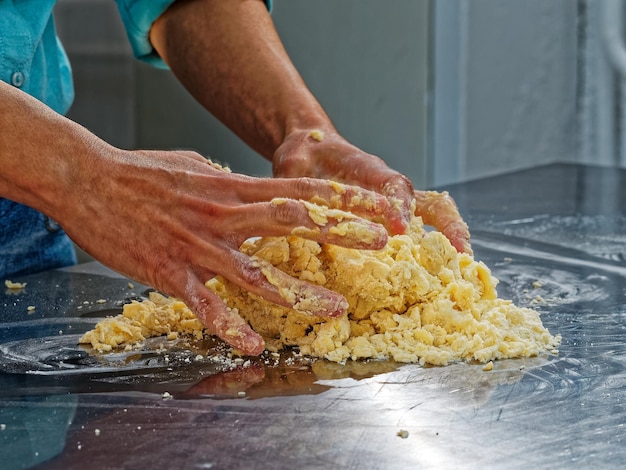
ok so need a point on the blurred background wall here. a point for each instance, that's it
(504, 86)
(443, 90)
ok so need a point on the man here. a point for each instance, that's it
(167, 218)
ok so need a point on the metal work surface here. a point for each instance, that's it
(555, 236)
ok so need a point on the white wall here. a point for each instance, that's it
(512, 100)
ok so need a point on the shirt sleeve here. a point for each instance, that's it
(138, 17)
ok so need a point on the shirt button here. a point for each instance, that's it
(51, 225)
(17, 79)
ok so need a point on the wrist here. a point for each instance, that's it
(300, 151)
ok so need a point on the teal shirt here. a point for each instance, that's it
(31, 57)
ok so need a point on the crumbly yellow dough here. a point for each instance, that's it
(317, 135)
(156, 316)
(416, 300)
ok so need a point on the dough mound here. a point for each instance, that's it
(416, 300)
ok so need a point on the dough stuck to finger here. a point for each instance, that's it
(302, 296)
(416, 300)
(337, 226)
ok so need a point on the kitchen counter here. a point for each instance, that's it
(555, 236)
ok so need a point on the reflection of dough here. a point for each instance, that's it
(416, 300)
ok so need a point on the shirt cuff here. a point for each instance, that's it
(138, 17)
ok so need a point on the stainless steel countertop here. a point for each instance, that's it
(561, 225)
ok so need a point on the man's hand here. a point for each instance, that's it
(173, 221)
(324, 154)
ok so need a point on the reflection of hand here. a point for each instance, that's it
(259, 381)
(228, 384)
(172, 221)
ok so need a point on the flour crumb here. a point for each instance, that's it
(316, 135)
(14, 285)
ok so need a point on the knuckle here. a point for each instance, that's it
(252, 275)
(305, 187)
(288, 213)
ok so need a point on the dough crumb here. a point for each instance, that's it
(489, 366)
(417, 300)
(316, 135)
(14, 285)
(217, 166)
(403, 433)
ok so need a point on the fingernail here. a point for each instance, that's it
(254, 344)
(244, 339)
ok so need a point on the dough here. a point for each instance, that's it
(156, 316)
(416, 300)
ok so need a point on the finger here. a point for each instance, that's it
(362, 202)
(399, 192)
(220, 320)
(307, 220)
(440, 211)
(263, 279)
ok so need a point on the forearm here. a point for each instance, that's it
(228, 55)
(41, 153)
